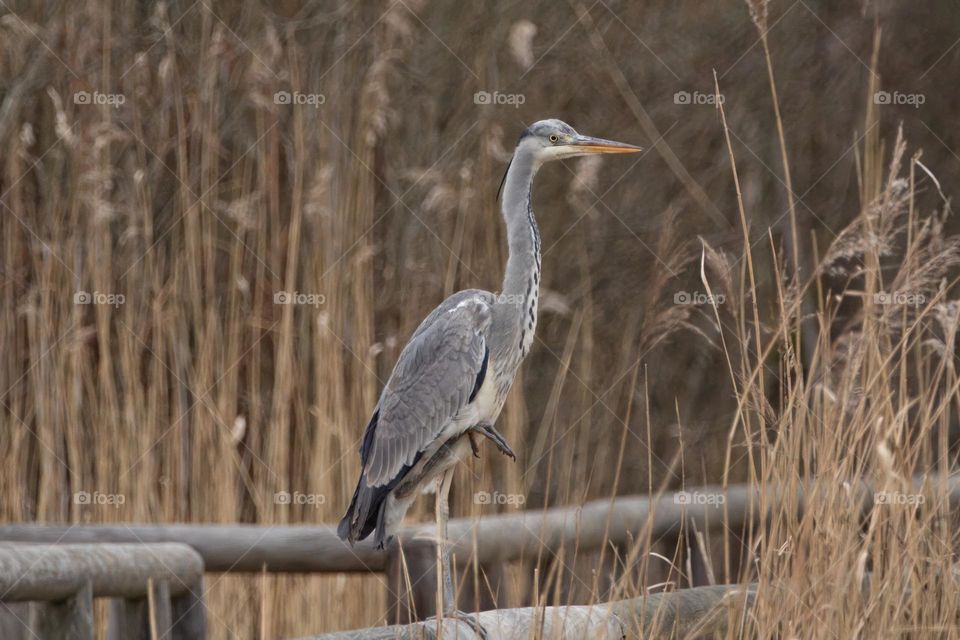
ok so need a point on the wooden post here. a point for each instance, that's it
(189, 613)
(142, 618)
(15, 620)
(411, 581)
(69, 619)
(159, 616)
(126, 619)
(483, 594)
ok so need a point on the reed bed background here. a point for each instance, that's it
(764, 296)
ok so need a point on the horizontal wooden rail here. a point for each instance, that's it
(498, 538)
(696, 612)
(54, 572)
(237, 548)
(157, 590)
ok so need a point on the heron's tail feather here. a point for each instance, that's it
(366, 511)
(361, 517)
(356, 525)
(344, 529)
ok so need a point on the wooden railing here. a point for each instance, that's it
(411, 578)
(499, 537)
(156, 589)
(130, 553)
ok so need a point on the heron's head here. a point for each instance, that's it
(554, 140)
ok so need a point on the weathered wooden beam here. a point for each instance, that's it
(701, 610)
(499, 538)
(235, 548)
(695, 612)
(57, 572)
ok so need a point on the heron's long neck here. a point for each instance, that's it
(515, 319)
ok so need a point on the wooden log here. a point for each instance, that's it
(696, 612)
(56, 572)
(70, 618)
(500, 538)
(234, 548)
(701, 610)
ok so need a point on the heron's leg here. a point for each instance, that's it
(449, 604)
(488, 431)
(443, 515)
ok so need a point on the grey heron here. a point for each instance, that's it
(451, 379)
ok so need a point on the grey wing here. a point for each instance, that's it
(430, 384)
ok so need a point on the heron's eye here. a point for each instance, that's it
(554, 138)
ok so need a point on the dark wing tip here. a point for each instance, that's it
(481, 375)
(343, 529)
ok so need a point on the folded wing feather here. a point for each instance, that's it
(430, 384)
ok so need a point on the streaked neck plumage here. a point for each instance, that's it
(515, 315)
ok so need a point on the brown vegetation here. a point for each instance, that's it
(803, 208)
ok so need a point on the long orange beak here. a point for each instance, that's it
(587, 144)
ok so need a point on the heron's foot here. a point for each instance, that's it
(469, 619)
(488, 431)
